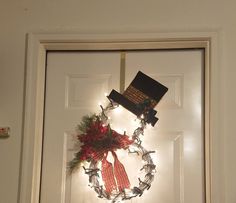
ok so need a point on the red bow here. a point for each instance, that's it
(98, 141)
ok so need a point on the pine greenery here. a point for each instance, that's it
(86, 122)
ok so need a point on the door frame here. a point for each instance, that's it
(39, 44)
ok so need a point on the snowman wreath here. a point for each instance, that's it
(97, 139)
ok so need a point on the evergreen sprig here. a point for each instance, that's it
(84, 125)
(74, 163)
(86, 122)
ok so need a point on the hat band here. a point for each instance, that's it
(136, 96)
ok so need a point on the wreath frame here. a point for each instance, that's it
(149, 167)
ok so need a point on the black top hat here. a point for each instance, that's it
(142, 95)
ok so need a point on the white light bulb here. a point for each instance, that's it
(118, 110)
(119, 130)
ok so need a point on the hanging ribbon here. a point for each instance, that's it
(120, 174)
(108, 175)
(114, 177)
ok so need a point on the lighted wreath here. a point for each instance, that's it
(98, 139)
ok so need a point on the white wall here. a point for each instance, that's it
(109, 16)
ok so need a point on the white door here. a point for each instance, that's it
(76, 83)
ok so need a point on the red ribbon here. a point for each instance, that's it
(98, 141)
(114, 177)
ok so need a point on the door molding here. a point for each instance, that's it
(37, 47)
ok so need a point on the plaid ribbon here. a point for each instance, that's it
(114, 177)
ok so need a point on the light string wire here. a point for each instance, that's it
(136, 148)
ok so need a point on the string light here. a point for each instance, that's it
(149, 168)
(118, 110)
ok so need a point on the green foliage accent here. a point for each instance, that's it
(86, 122)
(74, 163)
(83, 127)
(107, 141)
(109, 134)
(144, 104)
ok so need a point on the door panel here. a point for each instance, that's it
(76, 83)
(180, 130)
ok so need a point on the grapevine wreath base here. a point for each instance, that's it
(98, 139)
(122, 189)
(126, 194)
